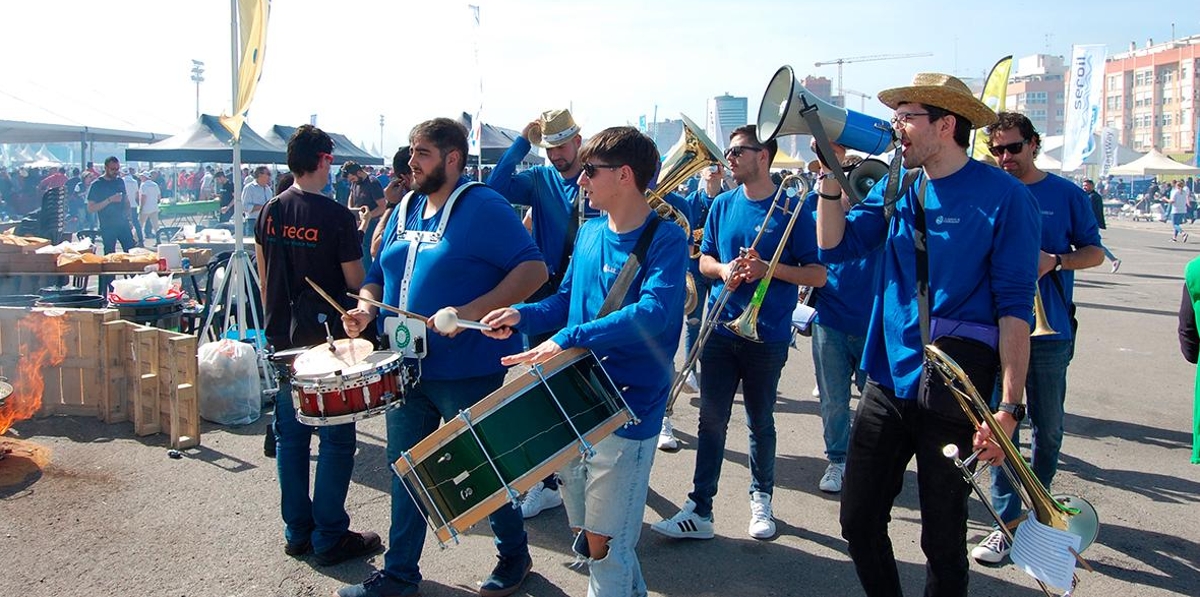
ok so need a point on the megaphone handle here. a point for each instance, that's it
(826, 152)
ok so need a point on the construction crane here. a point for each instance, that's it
(863, 97)
(840, 61)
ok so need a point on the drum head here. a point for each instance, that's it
(321, 359)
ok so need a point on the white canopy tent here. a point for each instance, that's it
(1154, 164)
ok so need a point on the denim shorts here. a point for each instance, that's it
(606, 493)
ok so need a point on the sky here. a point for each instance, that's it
(351, 61)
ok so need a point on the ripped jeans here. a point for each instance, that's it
(606, 495)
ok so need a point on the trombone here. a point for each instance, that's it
(1068, 513)
(714, 312)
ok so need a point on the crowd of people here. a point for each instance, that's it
(952, 254)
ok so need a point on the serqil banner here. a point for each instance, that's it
(1085, 91)
(1108, 145)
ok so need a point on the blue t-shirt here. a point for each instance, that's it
(844, 302)
(733, 222)
(551, 196)
(985, 272)
(637, 341)
(483, 242)
(1068, 223)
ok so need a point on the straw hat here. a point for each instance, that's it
(942, 91)
(557, 128)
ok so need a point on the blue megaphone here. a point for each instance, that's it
(779, 116)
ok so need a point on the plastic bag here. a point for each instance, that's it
(230, 390)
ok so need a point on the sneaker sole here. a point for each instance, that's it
(682, 535)
(540, 510)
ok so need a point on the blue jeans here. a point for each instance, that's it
(1177, 223)
(888, 432)
(725, 362)
(606, 495)
(424, 409)
(1108, 253)
(1046, 392)
(836, 357)
(323, 518)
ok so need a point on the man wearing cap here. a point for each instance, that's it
(552, 194)
(365, 191)
(972, 233)
(1070, 241)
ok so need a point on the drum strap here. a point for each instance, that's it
(416, 237)
(616, 294)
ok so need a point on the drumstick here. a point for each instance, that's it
(386, 306)
(325, 296)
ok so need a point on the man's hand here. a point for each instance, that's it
(983, 440)
(539, 354)
(502, 321)
(712, 177)
(532, 131)
(355, 321)
(1046, 263)
(394, 192)
(839, 153)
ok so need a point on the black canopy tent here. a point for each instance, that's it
(207, 141)
(496, 141)
(343, 148)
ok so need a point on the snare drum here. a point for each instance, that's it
(509, 441)
(347, 383)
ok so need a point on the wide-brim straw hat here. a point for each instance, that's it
(942, 91)
(558, 127)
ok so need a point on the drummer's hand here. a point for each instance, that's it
(539, 354)
(355, 321)
(984, 440)
(502, 321)
(432, 324)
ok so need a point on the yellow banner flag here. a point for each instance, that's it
(994, 92)
(252, 18)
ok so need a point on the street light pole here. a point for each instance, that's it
(382, 152)
(198, 77)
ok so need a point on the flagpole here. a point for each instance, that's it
(236, 175)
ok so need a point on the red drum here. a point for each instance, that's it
(347, 382)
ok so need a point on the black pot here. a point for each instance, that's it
(50, 291)
(74, 301)
(19, 300)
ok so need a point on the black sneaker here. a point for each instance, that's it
(298, 549)
(507, 576)
(351, 545)
(380, 585)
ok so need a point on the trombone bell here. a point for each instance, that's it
(1041, 325)
(746, 325)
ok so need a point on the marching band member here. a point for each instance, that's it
(1070, 241)
(466, 249)
(728, 359)
(303, 234)
(605, 494)
(983, 229)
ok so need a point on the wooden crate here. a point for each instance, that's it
(114, 370)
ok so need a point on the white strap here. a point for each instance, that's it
(416, 237)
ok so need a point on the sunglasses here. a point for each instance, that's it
(1011, 148)
(590, 169)
(737, 150)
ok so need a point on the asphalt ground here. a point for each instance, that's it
(114, 515)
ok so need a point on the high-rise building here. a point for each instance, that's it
(1151, 95)
(1036, 89)
(725, 113)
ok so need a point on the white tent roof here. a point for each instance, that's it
(1154, 163)
(1053, 144)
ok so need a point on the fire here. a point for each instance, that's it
(41, 345)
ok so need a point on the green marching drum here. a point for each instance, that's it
(506, 443)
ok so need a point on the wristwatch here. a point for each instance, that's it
(1058, 263)
(1016, 410)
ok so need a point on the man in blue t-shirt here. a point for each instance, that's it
(1070, 241)
(982, 230)
(605, 495)
(728, 359)
(470, 255)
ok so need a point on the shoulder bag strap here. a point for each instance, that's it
(619, 288)
(919, 243)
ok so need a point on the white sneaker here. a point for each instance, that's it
(686, 524)
(1116, 265)
(831, 481)
(993, 549)
(666, 437)
(690, 385)
(816, 392)
(762, 525)
(537, 499)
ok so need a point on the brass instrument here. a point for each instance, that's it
(1063, 512)
(693, 152)
(714, 311)
(1041, 325)
(746, 325)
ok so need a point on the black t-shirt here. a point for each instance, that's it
(366, 193)
(113, 215)
(319, 236)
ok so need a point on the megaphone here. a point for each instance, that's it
(779, 116)
(865, 175)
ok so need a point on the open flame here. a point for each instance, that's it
(41, 345)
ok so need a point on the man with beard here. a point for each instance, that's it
(462, 248)
(728, 360)
(1070, 241)
(974, 275)
(552, 194)
(106, 199)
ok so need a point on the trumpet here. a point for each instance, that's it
(1041, 325)
(714, 311)
(1068, 513)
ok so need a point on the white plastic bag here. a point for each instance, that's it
(230, 389)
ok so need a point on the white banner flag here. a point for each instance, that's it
(1084, 94)
(1108, 144)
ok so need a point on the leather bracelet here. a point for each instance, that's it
(829, 197)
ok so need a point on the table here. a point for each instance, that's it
(20, 283)
(189, 212)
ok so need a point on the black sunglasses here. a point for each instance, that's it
(1011, 148)
(737, 150)
(590, 169)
